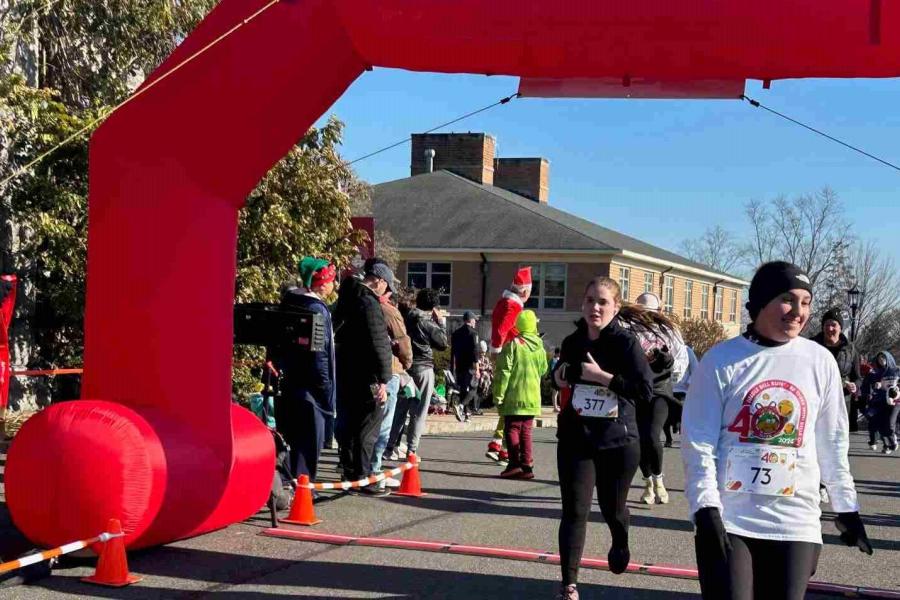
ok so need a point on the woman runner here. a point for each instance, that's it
(603, 375)
(764, 421)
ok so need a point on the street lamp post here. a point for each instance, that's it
(853, 298)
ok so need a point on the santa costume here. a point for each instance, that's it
(503, 329)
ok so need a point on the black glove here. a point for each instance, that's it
(711, 531)
(853, 532)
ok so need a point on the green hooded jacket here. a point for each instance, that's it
(521, 365)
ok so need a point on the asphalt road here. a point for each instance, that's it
(467, 503)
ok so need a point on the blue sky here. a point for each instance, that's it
(658, 170)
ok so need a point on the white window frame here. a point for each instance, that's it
(648, 282)
(688, 311)
(668, 294)
(732, 312)
(538, 284)
(625, 282)
(704, 299)
(718, 304)
(429, 271)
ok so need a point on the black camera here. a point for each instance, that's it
(278, 326)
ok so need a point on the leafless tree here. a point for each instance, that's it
(810, 231)
(718, 249)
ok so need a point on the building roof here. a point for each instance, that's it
(444, 210)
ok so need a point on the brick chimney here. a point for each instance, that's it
(529, 177)
(468, 154)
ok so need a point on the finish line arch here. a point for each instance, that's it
(157, 442)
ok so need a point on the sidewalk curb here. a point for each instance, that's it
(438, 424)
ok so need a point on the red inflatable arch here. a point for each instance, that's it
(157, 441)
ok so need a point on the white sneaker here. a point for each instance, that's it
(823, 496)
(873, 447)
(391, 482)
(649, 496)
(887, 450)
(662, 495)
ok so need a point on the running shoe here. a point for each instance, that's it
(618, 559)
(567, 592)
(873, 446)
(391, 482)
(662, 495)
(511, 473)
(373, 491)
(649, 496)
(823, 496)
(887, 450)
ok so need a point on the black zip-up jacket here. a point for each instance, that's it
(425, 334)
(847, 360)
(617, 351)
(362, 344)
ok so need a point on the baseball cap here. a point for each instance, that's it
(382, 271)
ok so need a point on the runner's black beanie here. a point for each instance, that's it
(833, 314)
(773, 279)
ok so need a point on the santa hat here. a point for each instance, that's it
(522, 280)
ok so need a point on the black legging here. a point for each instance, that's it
(650, 420)
(581, 467)
(757, 569)
(673, 420)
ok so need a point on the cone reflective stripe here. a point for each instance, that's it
(302, 512)
(411, 485)
(112, 566)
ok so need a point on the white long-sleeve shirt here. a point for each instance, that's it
(745, 398)
(682, 385)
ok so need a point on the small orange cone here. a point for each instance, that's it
(302, 512)
(411, 485)
(112, 566)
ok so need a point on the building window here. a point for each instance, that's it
(704, 302)
(688, 299)
(718, 314)
(548, 288)
(732, 314)
(625, 282)
(436, 275)
(668, 294)
(648, 282)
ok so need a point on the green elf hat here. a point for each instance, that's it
(308, 267)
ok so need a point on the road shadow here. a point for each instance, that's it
(220, 571)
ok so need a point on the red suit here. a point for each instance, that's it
(503, 319)
(7, 304)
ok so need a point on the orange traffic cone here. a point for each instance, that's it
(411, 485)
(302, 512)
(112, 566)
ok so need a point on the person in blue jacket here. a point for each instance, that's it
(308, 378)
(881, 392)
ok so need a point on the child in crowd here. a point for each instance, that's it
(517, 392)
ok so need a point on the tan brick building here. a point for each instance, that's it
(466, 220)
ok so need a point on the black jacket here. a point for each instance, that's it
(463, 349)
(617, 351)
(362, 344)
(847, 360)
(425, 334)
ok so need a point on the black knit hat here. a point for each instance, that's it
(772, 279)
(833, 314)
